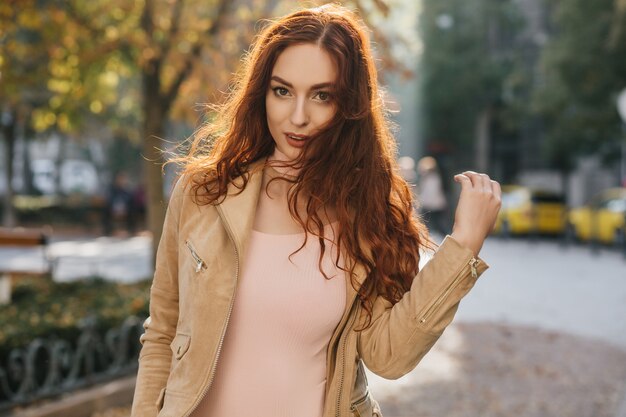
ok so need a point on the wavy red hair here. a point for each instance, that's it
(349, 165)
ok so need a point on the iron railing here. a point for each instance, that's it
(49, 367)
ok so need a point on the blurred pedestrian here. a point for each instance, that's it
(119, 207)
(290, 242)
(407, 169)
(433, 205)
(139, 205)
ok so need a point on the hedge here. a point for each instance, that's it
(43, 308)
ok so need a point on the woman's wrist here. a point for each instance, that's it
(468, 241)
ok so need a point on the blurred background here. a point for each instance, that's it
(94, 96)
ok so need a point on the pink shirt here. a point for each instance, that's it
(273, 359)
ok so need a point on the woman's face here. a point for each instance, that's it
(299, 101)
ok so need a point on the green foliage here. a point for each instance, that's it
(42, 308)
(470, 63)
(584, 69)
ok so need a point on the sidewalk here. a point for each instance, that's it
(494, 370)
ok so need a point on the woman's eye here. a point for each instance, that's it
(280, 91)
(323, 96)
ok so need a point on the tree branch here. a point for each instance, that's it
(72, 13)
(94, 32)
(147, 24)
(177, 9)
(172, 92)
(617, 26)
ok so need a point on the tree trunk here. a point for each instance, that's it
(8, 131)
(155, 112)
(483, 140)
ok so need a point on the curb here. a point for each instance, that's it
(85, 402)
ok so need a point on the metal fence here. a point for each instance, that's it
(49, 367)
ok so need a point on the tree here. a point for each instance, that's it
(152, 60)
(584, 69)
(470, 62)
(23, 74)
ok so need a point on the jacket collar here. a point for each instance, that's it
(238, 211)
(239, 206)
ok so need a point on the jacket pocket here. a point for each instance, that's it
(198, 262)
(180, 345)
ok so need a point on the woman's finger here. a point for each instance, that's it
(463, 180)
(497, 191)
(473, 177)
(485, 183)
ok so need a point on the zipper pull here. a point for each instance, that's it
(473, 263)
(194, 255)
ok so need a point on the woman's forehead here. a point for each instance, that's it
(304, 66)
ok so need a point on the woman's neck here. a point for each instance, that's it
(273, 206)
(281, 164)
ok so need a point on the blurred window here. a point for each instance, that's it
(616, 205)
(548, 198)
(514, 198)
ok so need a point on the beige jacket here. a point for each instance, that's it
(197, 268)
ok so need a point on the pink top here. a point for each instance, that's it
(273, 359)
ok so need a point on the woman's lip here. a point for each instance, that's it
(303, 137)
(296, 143)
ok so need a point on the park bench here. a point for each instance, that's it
(23, 238)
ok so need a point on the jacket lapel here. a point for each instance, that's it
(239, 208)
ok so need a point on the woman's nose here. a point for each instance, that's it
(299, 114)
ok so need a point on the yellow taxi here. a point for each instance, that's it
(602, 219)
(526, 210)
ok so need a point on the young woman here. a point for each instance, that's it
(290, 250)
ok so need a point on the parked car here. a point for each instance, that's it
(602, 219)
(527, 210)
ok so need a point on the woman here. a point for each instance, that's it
(290, 251)
(431, 197)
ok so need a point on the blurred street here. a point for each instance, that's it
(540, 283)
(536, 283)
(542, 325)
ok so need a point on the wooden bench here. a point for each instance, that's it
(22, 238)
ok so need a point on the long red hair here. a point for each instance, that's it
(349, 165)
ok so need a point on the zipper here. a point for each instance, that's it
(473, 263)
(354, 406)
(199, 262)
(230, 310)
(343, 355)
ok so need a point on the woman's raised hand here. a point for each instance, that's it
(478, 207)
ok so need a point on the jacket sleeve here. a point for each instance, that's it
(160, 328)
(400, 335)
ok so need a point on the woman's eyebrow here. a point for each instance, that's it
(288, 84)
